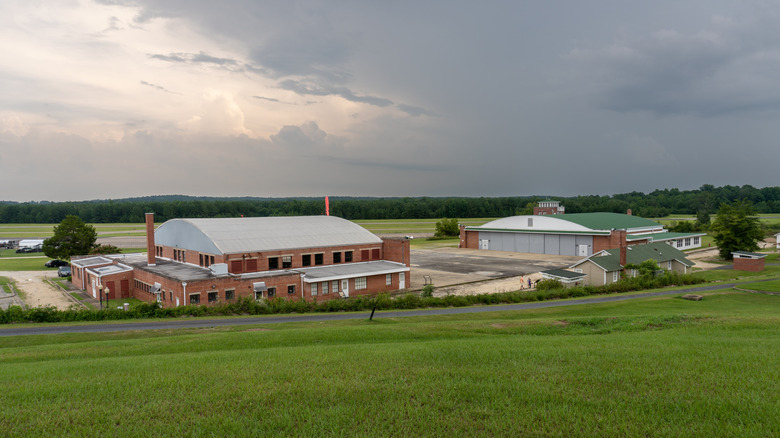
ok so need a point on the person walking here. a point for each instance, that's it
(522, 282)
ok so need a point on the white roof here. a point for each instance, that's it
(538, 222)
(258, 234)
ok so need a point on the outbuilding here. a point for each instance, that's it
(748, 261)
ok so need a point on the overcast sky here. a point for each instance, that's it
(115, 98)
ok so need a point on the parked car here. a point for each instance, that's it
(25, 250)
(63, 271)
(56, 263)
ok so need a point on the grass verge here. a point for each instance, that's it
(655, 367)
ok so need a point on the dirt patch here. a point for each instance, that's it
(509, 284)
(36, 291)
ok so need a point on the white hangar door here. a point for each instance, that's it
(484, 244)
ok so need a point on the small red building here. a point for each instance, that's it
(748, 261)
(206, 261)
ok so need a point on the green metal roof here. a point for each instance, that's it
(636, 254)
(562, 273)
(608, 221)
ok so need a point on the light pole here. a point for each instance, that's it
(107, 291)
(100, 296)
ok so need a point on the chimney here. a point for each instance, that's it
(150, 249)
(628, 212)
(623, 255)
(623, 244)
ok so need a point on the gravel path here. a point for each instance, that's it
(36, 291)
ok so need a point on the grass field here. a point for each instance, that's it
(653, 367)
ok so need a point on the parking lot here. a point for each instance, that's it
(448, 266)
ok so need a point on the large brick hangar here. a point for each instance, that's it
(203, 261)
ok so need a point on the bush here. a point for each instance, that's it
(548, 284)
(447, 228)
(427, 291)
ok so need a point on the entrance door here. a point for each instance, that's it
(582, 250)
(345, 287)
(402, 280)
(484, 244)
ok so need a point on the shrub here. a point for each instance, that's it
(427, 291)
(548, 284)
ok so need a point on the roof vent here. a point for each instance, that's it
(219, 268)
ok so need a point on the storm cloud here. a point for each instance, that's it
(114, 98)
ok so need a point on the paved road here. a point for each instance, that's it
(201, 323)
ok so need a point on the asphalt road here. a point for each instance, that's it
(491, 266)
(203, 323)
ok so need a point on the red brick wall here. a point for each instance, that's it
(396, 250)
(753, 265)
(468, 239)
(616, 239)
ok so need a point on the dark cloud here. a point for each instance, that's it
(158, 87)
(310, 89)
(414, 110)
(270, 99)
(723, 69)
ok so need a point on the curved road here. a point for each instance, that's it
(168, 324)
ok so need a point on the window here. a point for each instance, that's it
(578, 270)
(336, 257)
(530, 222)
(347, 256)
(290, 289)
(195, 298)
(313, 289)
(375, 254)
(271, 292)
(364, 255)
(324, 287)
(184, 256)
(200, 259)
(335, 287)
(213, 297)
(286, 262)
(230, 294)
(616, 276)
(251, 265)
(669, 266)
(259, 295)
(273, 262)
(388, 279)
(306, 260)
(317, 259)
(687, 241)
(360, 283)
(695, 240)
(170, 295)
(212, 260)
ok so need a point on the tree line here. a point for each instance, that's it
(658, 203)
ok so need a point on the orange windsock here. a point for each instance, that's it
(327, 206)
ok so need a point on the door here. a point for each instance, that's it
(484, 244)
(402, 280)
(582, 250)
(345, 287)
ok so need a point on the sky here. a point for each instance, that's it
(110, 99)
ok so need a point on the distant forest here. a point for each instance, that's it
(658, 203)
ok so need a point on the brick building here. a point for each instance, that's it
(579, 234)
(202, 261)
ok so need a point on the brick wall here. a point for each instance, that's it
(753, 265)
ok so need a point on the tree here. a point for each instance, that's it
(447, 228)
(71, 237)
(736, 229)
(104, 249)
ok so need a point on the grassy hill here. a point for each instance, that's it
(651, 367)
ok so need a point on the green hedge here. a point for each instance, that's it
(249, 306)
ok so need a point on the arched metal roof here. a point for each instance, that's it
(259, 234)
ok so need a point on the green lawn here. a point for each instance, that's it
(29, 263)
(653, 367)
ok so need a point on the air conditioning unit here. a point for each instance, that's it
(219, 269)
